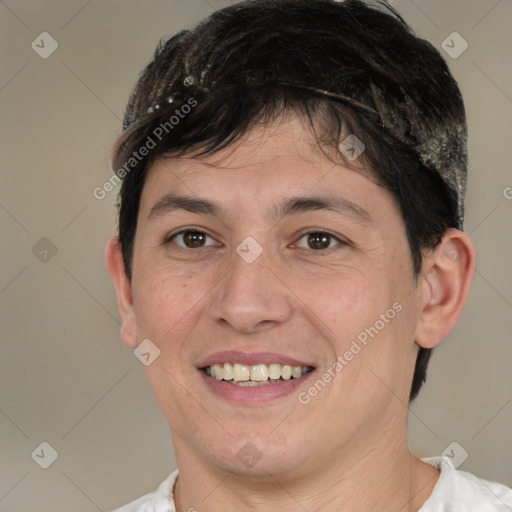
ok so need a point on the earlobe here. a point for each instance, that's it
(115, 267)
(445, 287)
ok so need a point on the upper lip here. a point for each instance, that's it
(250, 359)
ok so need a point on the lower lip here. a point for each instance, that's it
(253, 394)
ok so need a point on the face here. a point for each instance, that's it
(265, 260)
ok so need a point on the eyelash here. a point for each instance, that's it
(170, 239)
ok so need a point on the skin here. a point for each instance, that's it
(347, 448)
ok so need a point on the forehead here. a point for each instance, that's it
(267, 164)
(261, 148)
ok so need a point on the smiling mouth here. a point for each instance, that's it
(255, 375)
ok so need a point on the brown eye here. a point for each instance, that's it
(318, 240)
(191, 239)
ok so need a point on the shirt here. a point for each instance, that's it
(455, 491)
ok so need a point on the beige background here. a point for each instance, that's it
(66, 379)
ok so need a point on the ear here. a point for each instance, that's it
(115, 266)
(449, 271)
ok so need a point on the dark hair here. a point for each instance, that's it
(345, 67)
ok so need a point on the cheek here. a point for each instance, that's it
(368, 318)
(168, 303)
(166, 300)
(342, 303)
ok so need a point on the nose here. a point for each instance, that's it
(251, 298)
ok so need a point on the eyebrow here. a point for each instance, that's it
(291, 206)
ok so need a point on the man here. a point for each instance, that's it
(289, 253)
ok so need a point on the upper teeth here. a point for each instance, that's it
(258, 372)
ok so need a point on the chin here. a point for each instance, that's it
(257, 456)
(262, 468)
